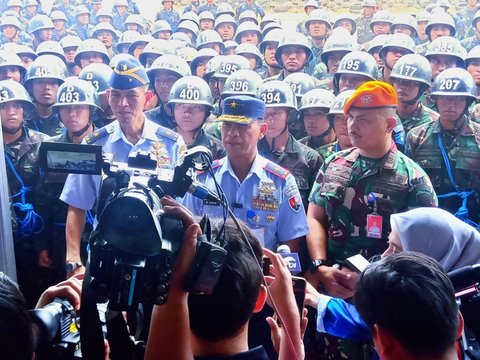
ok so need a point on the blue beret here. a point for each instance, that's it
(128, 74)
(242, 109)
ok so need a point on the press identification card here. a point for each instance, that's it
(374, 226)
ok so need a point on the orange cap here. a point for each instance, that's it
(372, 95)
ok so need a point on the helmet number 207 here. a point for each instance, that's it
(449, 84)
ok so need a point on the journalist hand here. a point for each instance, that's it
(70, 289)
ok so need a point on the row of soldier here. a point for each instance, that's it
(57, 90)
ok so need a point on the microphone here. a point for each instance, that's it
(465, 276)
(292, 259)
(202, 192)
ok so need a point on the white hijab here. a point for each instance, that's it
(438, 234)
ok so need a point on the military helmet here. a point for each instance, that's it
(381, 16)
(191, 16)
(311, 3)
(58, 15)
(273, 36)
(212, 66)
(206, 15)
(338, 103)
(405, 20)
(104, 26)
(202, 55)
(224, 19)
(447, 45)
(13, 3)
(229, 64)
(12, 90)
(318, 15)
(423, 16)
(76, 92)
(248, 48)
(98, 75)
(161, 25)
(413, 67)
(444, 3)
(190, 26)
(191, 90)
(247, 26)
(157, 47)
(51, 47)
(141, 40)
(229, 44)
(267, 19)
(359, 63)
(242, 82)
(376, 43)
(104, 12)
(316, 98)
(209, 37)
(134, 19)
(269, 27)
(347, 17)
(121, 3)
(24, 50)
(293, 39)
(81, 10)
(187, 53)
(40, 22)
(338, 42)
(9, 58)
(31, 3)
(277, 93)
(46, 67)
(225, 9)
(441, 19)
(369, 3)
(300, 83)
(70, 41)
(401, 41)
(92, 45)
(248, 15)
(182, 39)
(172, 63)
(473, 54)
(127, 38)
(10, 21)
(454, 82)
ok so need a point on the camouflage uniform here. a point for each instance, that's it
(214, 129)
(421, 115)
(83, 32)
(170, 16)
(422, 48)
(119, 21)
(463, 151)
(207, 7)
(211, 143)
(301, 28)
(470, 42)
(364, 33)
(69, 11)
(467, 15)
(23, 154)
(57, 36)
(315, 60)
(23, 39)
(51, 125)
(342, 186)
(299, 159)
(257, 9)
(328, 149)
(191, 7)
(313, 142)
(159, 116)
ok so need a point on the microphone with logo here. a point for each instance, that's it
(292, 259)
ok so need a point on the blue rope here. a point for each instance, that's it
(462, 212)
(31, 223)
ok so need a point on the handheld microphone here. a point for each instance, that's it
(465, 276)
(202, 192)
(292, 259)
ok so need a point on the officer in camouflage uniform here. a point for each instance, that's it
(338, 121)
(168, 14)
(364, 33)
(279, 145)
(68, 9)
(21, 155)
(411, 77)
(449, 148)
(82, 26)
(470, 42)
(191, 102)
(163, 73)
(42, 80)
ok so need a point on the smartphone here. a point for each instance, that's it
(266, 265)
(357, 263)
(299, 286)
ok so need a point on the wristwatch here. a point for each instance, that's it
(315, 264)
(72, 266)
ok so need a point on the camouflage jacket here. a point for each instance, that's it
(342, 187)
(364, 33)
(214, 128)
(257, 9)
(314, 142)
(160, 117)
(301, 27)
(69, 10)
(211, 143)
(57, 36)
(50, 126)
(207, 7)
(171, 16)
(467, 16)
(470, 42)
(463, 151)
(83, 32)
(119, 21)
(23, 39)
(299, 159)
(192, 7)
(328, 149)
(419, 116)
(421, 49)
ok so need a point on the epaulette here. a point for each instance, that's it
(216, 164)
(169, 134)
(276, 170)
(99, 134)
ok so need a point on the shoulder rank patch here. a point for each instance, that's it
(169, 134)
(276, 170)
(216, 163)
(99, 134)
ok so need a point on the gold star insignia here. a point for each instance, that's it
(233, 104)
(125, 67)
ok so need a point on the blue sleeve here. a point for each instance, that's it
(342, 320)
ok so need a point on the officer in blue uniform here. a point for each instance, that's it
(260, 193)
(129, 133)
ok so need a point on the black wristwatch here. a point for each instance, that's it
(315, 264)
(72, 266)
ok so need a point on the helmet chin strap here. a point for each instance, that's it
(82, 131)
(12, 131)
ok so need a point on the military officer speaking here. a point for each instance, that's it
(358, 189)
(261, 193)
(131, 132)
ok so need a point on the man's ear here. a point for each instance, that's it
(391, 123)
(263, 130)
(461, 324)
(384, 341)
(148, 95)
(108, 93)
(261, 299)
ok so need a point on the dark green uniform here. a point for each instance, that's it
(463, 151)
(159, 116)
(299, 159)
(211, 143)
(364, 33)
(326, 150)
(314, 142)
(51, 126)
(421, 115)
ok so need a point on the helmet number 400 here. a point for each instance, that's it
(189, 94)
(449, 84)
